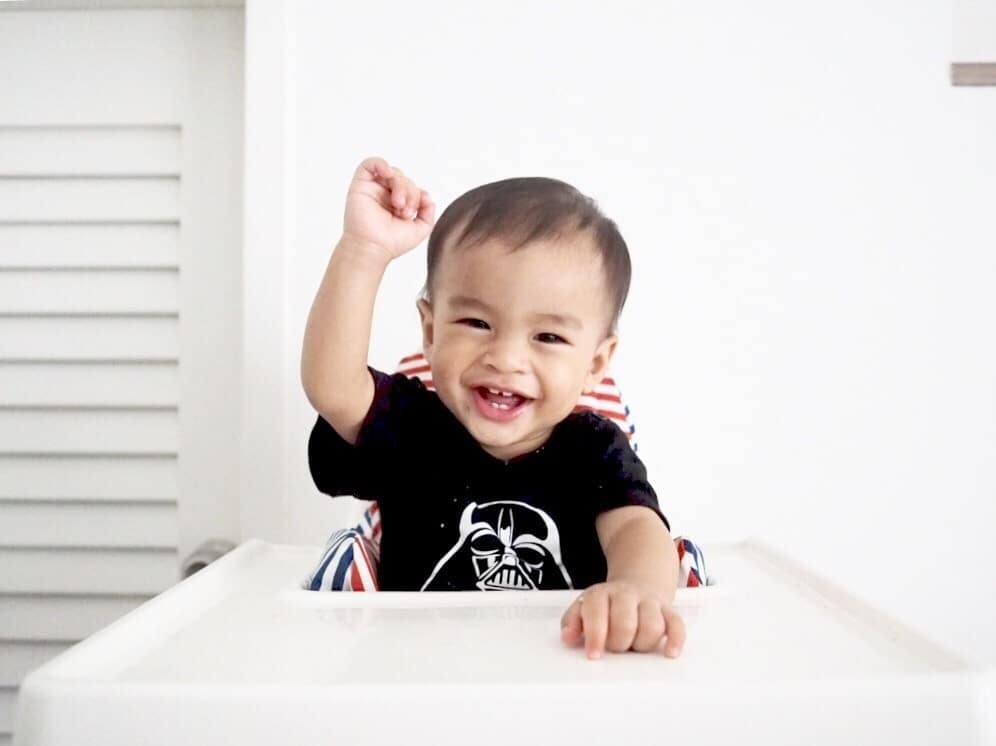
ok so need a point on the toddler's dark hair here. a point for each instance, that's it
(533, 208)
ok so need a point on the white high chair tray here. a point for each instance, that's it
(238, 654)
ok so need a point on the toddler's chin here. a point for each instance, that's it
(509, 445)
(490, 436)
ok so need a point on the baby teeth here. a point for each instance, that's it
(500, 393)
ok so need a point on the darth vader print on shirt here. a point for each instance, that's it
(503, 546)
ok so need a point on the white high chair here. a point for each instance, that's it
(239, 653)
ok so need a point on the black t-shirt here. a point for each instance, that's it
(456, 518)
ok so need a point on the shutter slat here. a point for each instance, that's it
(88, 200)
(89, 150)
(28, 617)
(153, 245)
(88, 338)
(97, 432)
(69, 291)
(18, 658)
(105, 571)
(60, 524)
(111, 385)
(88, 478)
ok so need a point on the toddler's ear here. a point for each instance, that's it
(600, 363)
(425, 314)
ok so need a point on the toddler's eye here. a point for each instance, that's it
(548, 338)
(474, 323)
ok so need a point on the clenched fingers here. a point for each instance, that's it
(404, 198)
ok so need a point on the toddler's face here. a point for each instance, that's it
(514, 338)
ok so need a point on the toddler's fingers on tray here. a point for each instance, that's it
(675, 634)
(571, 631)
(651, 629)
(624, 622)
(595, 620)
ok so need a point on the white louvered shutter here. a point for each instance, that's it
(99, 426)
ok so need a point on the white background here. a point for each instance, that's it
(808, 346)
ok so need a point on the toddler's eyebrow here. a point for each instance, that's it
(465, 301)
(570, 322)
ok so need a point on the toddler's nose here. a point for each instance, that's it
(505, 355)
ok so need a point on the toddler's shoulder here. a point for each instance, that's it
(587, 429)
(414, 407)
(400, 404)
(399, 388)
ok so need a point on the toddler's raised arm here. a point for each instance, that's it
(386, 216)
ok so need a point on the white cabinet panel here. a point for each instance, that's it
(84, 292)
(90, 200)
(89, 384)
(86, 477)
(96, 150)
(99, 432)
(87, 524)
(89, 338)
(90, 245)
(105, 571)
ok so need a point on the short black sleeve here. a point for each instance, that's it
(616, 475)
(372, 468)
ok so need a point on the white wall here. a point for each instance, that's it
(974, 28)
(808, 345)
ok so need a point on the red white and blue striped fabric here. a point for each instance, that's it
(349, 563)
(691, 564)
(369, 525)
(349, 560)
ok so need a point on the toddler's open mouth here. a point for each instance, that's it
(500, 405)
